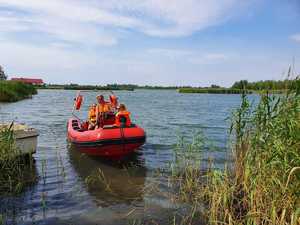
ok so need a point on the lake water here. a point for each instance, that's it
(65, 192)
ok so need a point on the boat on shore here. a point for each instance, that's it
(25, 138)
(108, 141)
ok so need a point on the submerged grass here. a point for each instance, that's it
(262, 185)
(15, 171)
(12, 91)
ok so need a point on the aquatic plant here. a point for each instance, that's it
(11, 91)
(15, 171)
(262, 184)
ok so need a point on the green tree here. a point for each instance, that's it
(2, 74)
(215, 86)
(243, 84)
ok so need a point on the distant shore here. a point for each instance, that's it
(87, 87)
(243, 86)
(238, 87)
(108, 87)
(214, 91)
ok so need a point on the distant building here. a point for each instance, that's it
(29, 81)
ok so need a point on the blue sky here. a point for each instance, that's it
(155, 42)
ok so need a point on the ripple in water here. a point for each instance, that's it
(76, 189)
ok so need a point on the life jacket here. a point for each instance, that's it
(92, 115)
(102, 108)
(78, 102)
(113, 101)
(123, 115)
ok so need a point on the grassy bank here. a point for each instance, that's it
(11, 91)
(213, 90)
(262, 184)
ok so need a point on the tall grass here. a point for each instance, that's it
(15, 171)
(11, 91)
(263, 184)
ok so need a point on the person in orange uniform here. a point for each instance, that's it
(92, 117)
(102, 109)
(113, 102)
(123, 117)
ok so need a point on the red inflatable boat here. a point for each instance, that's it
(108, 141)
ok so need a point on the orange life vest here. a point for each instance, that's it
(102, 108)
(113, 101)
(121, 114)
(78, 102)
(92, 115)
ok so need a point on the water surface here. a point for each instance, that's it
(65, 191)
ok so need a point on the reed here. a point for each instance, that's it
(12, 91)
(262, 185)
(15, 171)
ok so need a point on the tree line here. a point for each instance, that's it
(266, 85)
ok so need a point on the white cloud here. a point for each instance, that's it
(169, 53)
(215, 56)
(210, 58)
(191, 56)
(60, 20)
(295, 37)
(97, 21)
(174, 18)
(56, 64)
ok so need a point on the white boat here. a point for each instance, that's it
(25, 138)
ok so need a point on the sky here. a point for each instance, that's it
(149, 42)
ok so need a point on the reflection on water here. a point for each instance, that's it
(75, 189)
(110, 182)
(11, 205)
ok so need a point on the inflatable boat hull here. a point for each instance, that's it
(109, 142)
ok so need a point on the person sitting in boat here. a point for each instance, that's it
(122, 117)
(102, 110)
(92, 117)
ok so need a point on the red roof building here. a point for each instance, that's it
(29, 81)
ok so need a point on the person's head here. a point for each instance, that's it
(93, 105)
(100, 99)
(122, 107)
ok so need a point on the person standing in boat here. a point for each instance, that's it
(102, 109)
(92, 117)
(113, 102)
(123, 117)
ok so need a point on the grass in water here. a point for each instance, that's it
(262, 185)
(15, 171)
